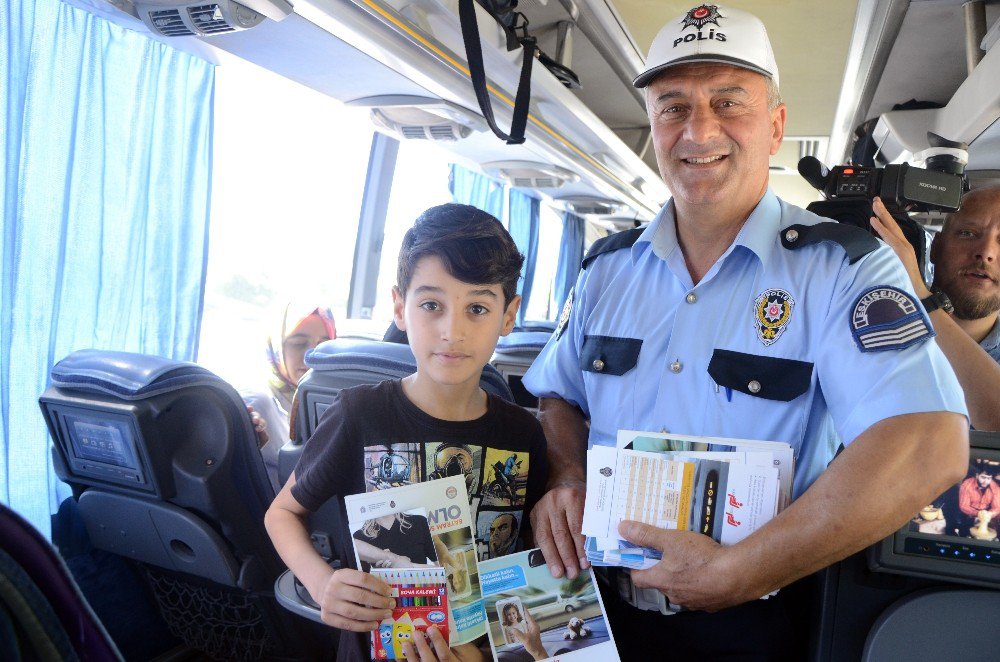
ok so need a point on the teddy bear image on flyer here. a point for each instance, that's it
(575, 629)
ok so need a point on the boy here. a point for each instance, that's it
(456, 294)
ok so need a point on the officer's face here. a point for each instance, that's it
(965, 255)
(713, 133)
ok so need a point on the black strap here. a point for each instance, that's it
(855, 241)
(474, 55)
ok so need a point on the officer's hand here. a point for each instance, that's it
(694, 572)
(556, 521)
(886, 226)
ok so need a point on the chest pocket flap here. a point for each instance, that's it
(760, 376)
(608, 355)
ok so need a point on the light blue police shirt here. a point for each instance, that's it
(776, 327)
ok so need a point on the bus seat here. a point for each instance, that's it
(548, 326)
(163, 462)
(950, 624)
(43, 614)
(512, 358)
(338, 364)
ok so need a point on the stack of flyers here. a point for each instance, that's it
(725, 494)
(530, 611)
(423, 526)
(421, 601)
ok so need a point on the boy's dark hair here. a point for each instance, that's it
(472, 244)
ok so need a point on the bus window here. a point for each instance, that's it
(288, 178)
(420, 181)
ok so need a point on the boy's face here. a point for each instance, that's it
(452, 326)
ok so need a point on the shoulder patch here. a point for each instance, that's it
(564, 316)
(611, 243)
(854, 240)
(886, 317)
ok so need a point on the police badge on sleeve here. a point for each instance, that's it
(564, 316)
(888, 318)
(772, 310)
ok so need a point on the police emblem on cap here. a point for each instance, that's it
(888, 318)
(564, 315)
(700, 16)
(772, 310)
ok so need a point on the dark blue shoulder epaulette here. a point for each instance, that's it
(854, 240)
(611, 243)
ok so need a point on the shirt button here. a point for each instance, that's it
(691, 297)
(754, 386)
(676, 366)
(792, 236)
(598, 365)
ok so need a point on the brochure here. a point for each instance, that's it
(682, 483)
(746, 451)
(422, 526)
(568, 615)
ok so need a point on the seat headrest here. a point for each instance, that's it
(126, 375)
(342, 352)
(520, 341)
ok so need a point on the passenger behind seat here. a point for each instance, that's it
(163, 462)
(299, 329)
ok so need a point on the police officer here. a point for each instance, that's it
(735, 314)
(964, 301)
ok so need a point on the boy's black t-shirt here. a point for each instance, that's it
(372, 437)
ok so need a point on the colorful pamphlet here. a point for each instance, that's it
(724, 488)
(423, 526)
(532, 613)
(421, 597)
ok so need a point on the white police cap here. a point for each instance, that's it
(711, 33)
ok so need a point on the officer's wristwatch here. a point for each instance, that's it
(937, 299)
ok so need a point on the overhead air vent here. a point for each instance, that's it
(528, 174)
(176, 18)
(421, 118)
(593, 206)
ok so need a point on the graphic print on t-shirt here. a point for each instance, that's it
(453, 458)
(497, 532)
(505, 478)
(392, 465)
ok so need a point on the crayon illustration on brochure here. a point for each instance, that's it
(421, 597)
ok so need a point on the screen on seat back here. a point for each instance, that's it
(955, 536)
(101, 445)
(100, 441)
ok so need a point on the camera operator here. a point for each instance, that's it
(966, 257)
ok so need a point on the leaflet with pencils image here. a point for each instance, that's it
(723, 488)
(421, 527)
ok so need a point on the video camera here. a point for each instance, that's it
(849, 189)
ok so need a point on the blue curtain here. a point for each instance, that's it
(105, 178)
(523, 225)
(471, 188)
(570, 256)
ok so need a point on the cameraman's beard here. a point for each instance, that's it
(971, 307)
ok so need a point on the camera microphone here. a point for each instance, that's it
(814, 172)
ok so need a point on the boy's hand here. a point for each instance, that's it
(435, 649)
(355, 600)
